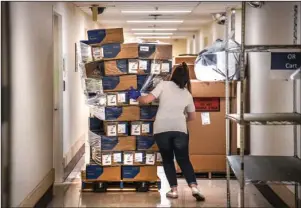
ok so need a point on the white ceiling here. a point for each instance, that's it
(200, 15)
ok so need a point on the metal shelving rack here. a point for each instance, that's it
(260, 169)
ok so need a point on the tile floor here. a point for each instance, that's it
(68, 194)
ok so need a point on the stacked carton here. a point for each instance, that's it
(121, 130)
(207, 143)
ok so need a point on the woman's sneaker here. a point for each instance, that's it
(172, 194)
(197, 194)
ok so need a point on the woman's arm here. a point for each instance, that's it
(146, 99)
(190, 116)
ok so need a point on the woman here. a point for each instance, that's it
(170, 126)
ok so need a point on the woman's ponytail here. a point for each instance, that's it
(188, 81)
(181, 77)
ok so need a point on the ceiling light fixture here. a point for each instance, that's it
(154, 21)
(157, 11)
(154, 29)
(153, 33)
(154, 37)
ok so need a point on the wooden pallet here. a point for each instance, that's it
(105, 186)
(209, 175)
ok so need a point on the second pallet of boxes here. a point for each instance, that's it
(124, 154)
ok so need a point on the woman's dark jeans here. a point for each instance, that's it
(175, 143)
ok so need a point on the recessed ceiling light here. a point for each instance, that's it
(157, 11)
(154, 21)
(153, 33)
(154, 37)
(154, 29)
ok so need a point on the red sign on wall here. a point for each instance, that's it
(207, 104)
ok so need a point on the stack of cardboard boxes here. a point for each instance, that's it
(126, 150)
(207, 134)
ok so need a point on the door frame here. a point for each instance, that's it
(58, 124)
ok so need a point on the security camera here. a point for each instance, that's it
(219, 18)
(256, 4)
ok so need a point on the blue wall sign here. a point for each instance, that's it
(285, 60)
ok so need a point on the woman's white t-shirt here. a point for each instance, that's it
(173, 103)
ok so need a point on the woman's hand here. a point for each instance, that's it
(134, 94)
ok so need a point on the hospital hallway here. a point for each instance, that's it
(96, 96)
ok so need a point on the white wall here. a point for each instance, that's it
(32, 101)
(211, 32)
(32, 91)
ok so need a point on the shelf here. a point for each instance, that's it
(264, 48)
(267, 118)
(267, 169)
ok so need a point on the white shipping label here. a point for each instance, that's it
(139, 157)
(145, 128)
(150, 159)
(134, 102)
(117, 157)
(107, 159)
(128, 159)
(133, 66)
(112, 130)
(121, 98)
(136, 129)
(112, 100)
(155, 68)
(121, 128)
(143, 65)
(205, 116)
(144, 48)
(159, 157)
(97, 53)
(165, 67)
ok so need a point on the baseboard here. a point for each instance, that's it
(43, 187)
(73, 150)
(46, 198)
(71, 165)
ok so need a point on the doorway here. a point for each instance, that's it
(57, 99)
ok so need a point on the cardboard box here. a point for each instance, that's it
(133, 158)
(146, 143)
(148, 112)
(139, 66)
(111, 158)
(115, 67)
(117, 98)
(209, 137)
(120, 51)
(155, 51)
(141, 80)
(125, 113)
(161, 67)
(118, 143)
(95, 125)
(211, 89)
(139, 158)
(104, 36)
(144, 128)
(119, 128)
(94, 69)
(208, 163)
(139, 173)
(186, 59)
(158, 159)
(99, 173)
(120, 83)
